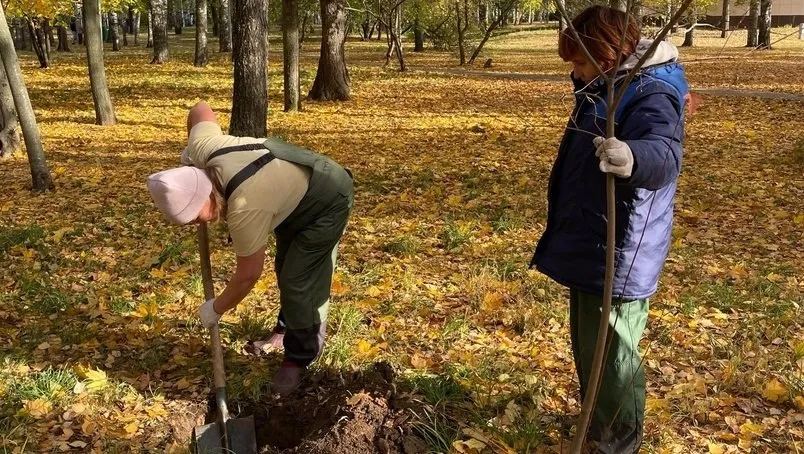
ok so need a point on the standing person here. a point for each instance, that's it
(262, 186)
(645, 156)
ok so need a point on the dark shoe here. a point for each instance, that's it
(287, 378)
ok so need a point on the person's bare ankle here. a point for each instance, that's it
(274, 343)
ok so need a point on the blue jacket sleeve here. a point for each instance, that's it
(654, 130)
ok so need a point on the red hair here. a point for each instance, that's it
(601, 30)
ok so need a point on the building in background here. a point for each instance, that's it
(785, 12)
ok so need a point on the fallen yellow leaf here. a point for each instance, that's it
(775, 391)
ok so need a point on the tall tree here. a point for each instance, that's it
(38, 41)
(562, 21)
(505, 7)
(104, 111)
(418, 36)
(201, 52)
(159, 17)
(114, 36)
(149, 40)
(135, 27)
(332, 79)
(463, 27)
(178, 19)
(64, 39)
(9, 124)
(290, 50)
(250, 55)
(753, 25)
(170, 15)
(40, 174)
(765, 17)
(725, 18)
(393, 25)
(225, 26)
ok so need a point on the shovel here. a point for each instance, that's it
(225, 435)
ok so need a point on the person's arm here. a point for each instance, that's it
(247, 273)
(654, 132)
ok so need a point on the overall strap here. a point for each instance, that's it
(249, 170)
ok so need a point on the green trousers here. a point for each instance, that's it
(619, 414)
(306, 250)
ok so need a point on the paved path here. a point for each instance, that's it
(557, 78)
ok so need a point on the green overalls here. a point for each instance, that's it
(306, 244)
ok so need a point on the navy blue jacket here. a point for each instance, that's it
(572, 249)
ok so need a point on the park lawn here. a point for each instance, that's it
(99, 344)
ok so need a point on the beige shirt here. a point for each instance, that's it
(261, 202)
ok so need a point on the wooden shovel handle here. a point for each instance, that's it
(209, 292)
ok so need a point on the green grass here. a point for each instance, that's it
(52, 385)
(507, 221)
(438, 430)
(39, 296)
(254, 326)
(404, 246)
(344, 325)
(455, 235)
(20, 236)
(438, 390)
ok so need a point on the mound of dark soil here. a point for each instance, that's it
(355, 413)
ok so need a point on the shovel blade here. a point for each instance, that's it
(208, 439)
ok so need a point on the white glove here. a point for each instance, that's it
(615, 156)
(207, 314)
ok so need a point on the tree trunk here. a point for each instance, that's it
(482, 14)
(9, 131)
(461, 50)
(104, 111)
(724, 22)
(753, 28)
(689, 37)
(16, 35)
(302, 30)
(50, 42)
(418, 37)
(64, 39)
(505, 9)
(40, 174)
(765, 24)
(128, 22)
(562, 22)
(159, 18)
(250, 55)
(178, 20)
(332, 79)
(213, 14)
(125, 28)
(38, 43)
(395, 37)
(290, 49)
(149, 41)
(170, 17)
(27, 41)
(135, 28)
(79, 25)
(201, 53)
(225, 27)
(114, 36)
